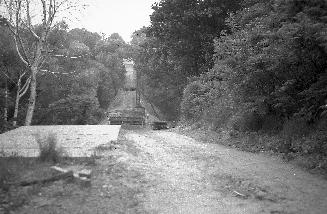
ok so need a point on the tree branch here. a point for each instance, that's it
(23, 90)
(28, 16)
(23, 48)
(9, 7)
(44, 8)
(15, 31)
(23, 74)
(29, 22)
(31, 31)
(51, 12)
(19, 53)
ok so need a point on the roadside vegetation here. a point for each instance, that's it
(48, 148)
(79, 78)
(253, 69)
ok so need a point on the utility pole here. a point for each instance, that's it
(135, 84)
(138, 97)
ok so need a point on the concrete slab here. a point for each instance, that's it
(75, 140)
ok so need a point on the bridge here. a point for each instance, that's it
(127, 108)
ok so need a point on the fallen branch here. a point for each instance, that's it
(239, 194)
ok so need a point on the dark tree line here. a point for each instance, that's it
(178, 44)
(272, 62)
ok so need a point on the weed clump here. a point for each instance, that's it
(49, 150)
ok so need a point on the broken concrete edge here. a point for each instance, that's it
(62, 175)
(83, 177)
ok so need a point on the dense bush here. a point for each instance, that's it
(73, 110)
(178, 44)
(273, 62)
(194, 100)
(5, 126)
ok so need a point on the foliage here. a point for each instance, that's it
(110, 52)
(11, 69)
(72, 110)
(49, 150)
(178, 44)
(64, 62)
(194, 100)
(30, 30)
(268, 81)
(5, 126)
(86, 37)
(273, 61)
(76, 65)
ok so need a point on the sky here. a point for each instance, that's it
(114, 16)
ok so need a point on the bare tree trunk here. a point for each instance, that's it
(32, 98)
(14, 123)
(21, 91)
(34, 68)
(6, 103)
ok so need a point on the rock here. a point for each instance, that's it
(85, 173)
(82, 177)
(84, 182)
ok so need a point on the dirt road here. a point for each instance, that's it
(182, 175)
(155, 172)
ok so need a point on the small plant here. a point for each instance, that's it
(49, 151)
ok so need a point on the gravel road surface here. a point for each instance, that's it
(186, 176)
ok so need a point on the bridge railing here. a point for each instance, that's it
(126, 120)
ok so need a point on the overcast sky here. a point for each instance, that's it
(115, 16)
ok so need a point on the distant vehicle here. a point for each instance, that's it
(158, 125)
(134, 116)
(114, 114)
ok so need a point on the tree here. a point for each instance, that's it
(186, 30)
(13, 72)
(70, 74)
(179, 44)
(23, 24)
(73, 110)
(86, 37)
(272, 62)
(110, 52)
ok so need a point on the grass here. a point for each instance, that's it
(15, 169)
(292, 150)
